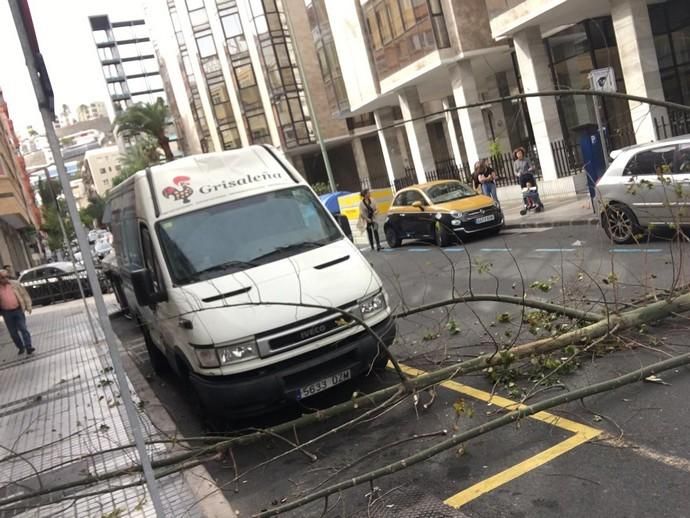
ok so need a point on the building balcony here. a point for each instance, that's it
(13, 210)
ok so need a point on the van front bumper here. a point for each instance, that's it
(261, 390)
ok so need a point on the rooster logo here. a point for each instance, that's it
(182, 192)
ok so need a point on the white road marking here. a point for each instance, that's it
(648, 453)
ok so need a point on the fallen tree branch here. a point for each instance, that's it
(522, 412)
(577, 314)
(626, 320)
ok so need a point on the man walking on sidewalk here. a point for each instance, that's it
(14, 301)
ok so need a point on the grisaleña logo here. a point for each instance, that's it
(245, 180)
(182, 192)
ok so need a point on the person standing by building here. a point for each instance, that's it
(14, 303)
(367, 219)
(486, 177)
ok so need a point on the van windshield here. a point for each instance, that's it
(241, 234)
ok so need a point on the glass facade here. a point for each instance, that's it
(402, 31)
(190, 81)
(574, 53)
(327, 56)
(243, 72)
(213, 74)
(671, 29)
(281, 72)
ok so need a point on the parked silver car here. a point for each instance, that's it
(645, 185)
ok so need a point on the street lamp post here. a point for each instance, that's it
(43, 90)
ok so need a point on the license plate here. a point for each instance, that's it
(324, 384)
(485, 219)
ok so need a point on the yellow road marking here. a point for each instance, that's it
(517, 470)
(583, 434)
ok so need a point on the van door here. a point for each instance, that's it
(152, 315)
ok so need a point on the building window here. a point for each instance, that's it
(278, 60)
(574, 53)
(401, 32)
(102, 170)
(206, 46)
(329, 63)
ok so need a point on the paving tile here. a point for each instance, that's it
(60, 407)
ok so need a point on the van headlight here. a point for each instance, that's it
(372, 305)
(237, 352)
(228, 354)
(455, 214)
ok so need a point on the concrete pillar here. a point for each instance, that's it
(417, 135)
(390, 146)
(361, 162)
(639, 64)
(534, 69)
(465, 91)
(451, 134)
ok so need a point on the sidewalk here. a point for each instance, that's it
(58, 410)
(558, 211)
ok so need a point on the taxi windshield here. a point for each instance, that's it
(245, 233)
(448, 191)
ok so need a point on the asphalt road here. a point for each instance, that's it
(636, 462)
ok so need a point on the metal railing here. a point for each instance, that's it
(677, 124)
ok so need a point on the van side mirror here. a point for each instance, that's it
(144, 288)
(418, 205)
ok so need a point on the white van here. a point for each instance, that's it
(236, 272)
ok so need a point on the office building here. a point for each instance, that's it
(233, 68)
(130, 66)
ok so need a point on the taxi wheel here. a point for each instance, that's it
(392, 237)
(441, 235)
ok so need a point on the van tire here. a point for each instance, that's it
(158, 360)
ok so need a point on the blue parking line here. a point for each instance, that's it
(556, 250)
(496, 249)
(635, 250)
(418, 249)
(453, 249)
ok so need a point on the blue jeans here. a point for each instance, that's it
(489, 189)
(15, 321)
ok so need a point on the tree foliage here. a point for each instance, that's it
(93, 212)
(137, 158)
(146, 119)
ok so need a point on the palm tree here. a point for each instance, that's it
(149, 119)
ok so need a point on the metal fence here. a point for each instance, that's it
(567, 158)
(677, 124)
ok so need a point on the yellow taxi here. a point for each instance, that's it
(443, 211)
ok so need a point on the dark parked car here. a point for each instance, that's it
(54, 282)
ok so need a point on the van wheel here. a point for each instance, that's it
(392, 237)
(158, 360)
(441, 235)
(620, 224)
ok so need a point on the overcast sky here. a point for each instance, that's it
(64, 36)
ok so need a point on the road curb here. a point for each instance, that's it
(548, 224)
(211, 500)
